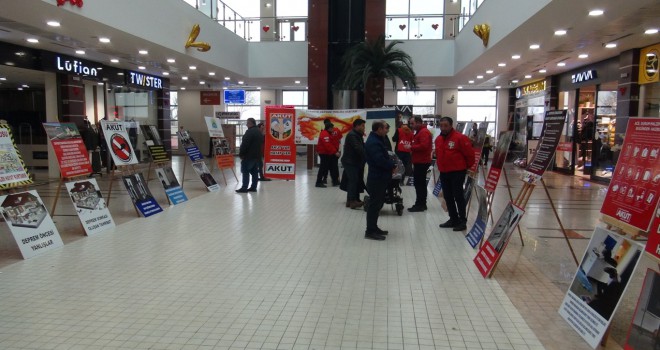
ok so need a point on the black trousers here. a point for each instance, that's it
(485, 153)
(333, 169)
(354, 181)
(323, 168)
(452, 190)
(419, 178)
(376, 189)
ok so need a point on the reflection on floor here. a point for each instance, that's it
(287, 267)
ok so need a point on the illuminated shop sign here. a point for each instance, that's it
(145, 80)
(584, 76)
(530, 89)
(74, 66)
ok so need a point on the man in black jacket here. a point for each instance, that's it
(379, 176)
(353, 162)
(250, 154)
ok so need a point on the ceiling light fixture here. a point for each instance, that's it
(166, 73)
(33, 40)
(241, 82)
(20, 89)
(211, 73)
(501, 64)
(104, 40)
(182, 88)
(595, 13)
(560, 32)
(561, 64)
(184, 78)
(25, 86)
(515, 57)
(528, 76)
(53, 23)
(143, 52)
(542, 71)
(470, 81)
(490, 71)
(142, 67)
(480, 76)
(114, 60)
(498, 87)
(224, 88)
(651, 31)
(584, 55)
(202, 82)
(459, 87)
(515, 81)
(227, 78)
(192, 67)
(99, 83)
(171, 60)
(3, 78)
(610, 45)
(534, 47)
(297, 82)
(80, 52)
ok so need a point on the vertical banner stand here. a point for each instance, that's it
(124, 170)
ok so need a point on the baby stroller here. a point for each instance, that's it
(393, 193)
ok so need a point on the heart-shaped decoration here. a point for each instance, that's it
(434, 26)
(295, 28)
(402, 26)
(200, 45)
(266, 28)
(60, 2)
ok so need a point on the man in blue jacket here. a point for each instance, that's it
(378, 177)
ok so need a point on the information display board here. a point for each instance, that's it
(479, 228)
(547, 146)
(12, 168)
(309, 123)
(498, 239)
(70, 150)
(214, 127)
(142, 198)
(171, 185)
(189, 145)
(119, 145)
(280, 147)
(90, 206)
(154, 143)
(498, 161)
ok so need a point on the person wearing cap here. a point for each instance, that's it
(333, 162)
(326, 149)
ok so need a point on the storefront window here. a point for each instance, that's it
(251, 108)
(297, 99)
(478, 106)
(603, 155)
(423, 102)
(137, 107)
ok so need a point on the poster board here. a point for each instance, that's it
(13, 171)
(224, 157)
(498, 239)
(171, 185)
(142, 198)
(643, 331)
(653, 243)
(499, 157)
(632, 195)
(90, 206)
(118, 142)
(154, 143)
(205, 175)
(214, 127)
(479, 228)
(189, 145)
(478, 145)
(600, 281)
(547, 146)
(280, 146)
(29, 223)
(309, 123)
(69, 148)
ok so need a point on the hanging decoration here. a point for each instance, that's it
(435, 26)
(266, 28)
(78, 3)
(402, 26)
(200, 45)
(483, 32)
(295, 28)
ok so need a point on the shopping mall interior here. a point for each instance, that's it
(243, 271)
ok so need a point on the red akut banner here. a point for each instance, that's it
(280, 147)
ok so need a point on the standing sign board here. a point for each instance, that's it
(600, 281)
(154, 143)
(171, 185)
(69, 148)
(12, 168)
(478, 145)
(653, 243)
(116, 136)
(498, 161)
(30, 224)
(645, 320)
(189, 145)
(90, 206)
(142, 198)
(498, 239)
(309, 123)
(632, 196)
(545, 150)
(479, 228)
(205, 175)
(214, 126)
(223, 154)
(280, 147)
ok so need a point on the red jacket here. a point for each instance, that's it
(336, 137)
(405, 138)
(453, 152)
(422, 146)
(326, 144)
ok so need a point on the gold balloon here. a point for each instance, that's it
(483, 32)
(200, 45)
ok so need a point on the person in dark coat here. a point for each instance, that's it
(250, 154)
(353, 162)
(378, 178)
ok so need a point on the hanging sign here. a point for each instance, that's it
(207, 98)
(12, 168)
(498, 161)
(649, 68)
(280, 147)
(116, 136)
(90, 206)
(70, 150)
(545, 150)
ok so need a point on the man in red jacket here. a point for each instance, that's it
(326, 149)
(454, 155)
(421, 148)
(333, 162)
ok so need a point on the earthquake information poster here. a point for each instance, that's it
(478, 145)
(280, 146)
(205, 175)
(12, 168)
(653, 243)
(69, 148)
(90, 206)
(632, 195)
(498, 161)
(223, 154)
(29, 223)
(498, 239)
(479, 228)
(154, 143)
(171, 185)
(599, 282)
(142, 198)
(546, 148)
(309, 123)
(119, 145)
(214, 126)
(189, 145)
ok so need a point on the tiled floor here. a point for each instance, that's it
(288, 268)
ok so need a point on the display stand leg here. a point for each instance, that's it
(149, 171)
(183, 172)
(57, 197)
(112, 179)
(563, 230)
(489, 203)
(222, 171)
(234, 171)
(508, 187)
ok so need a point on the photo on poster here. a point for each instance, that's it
(205, 175)
(151, 136)
(309, 123)
(601, 279)
(221, 146)
(644, 331)
(167, 178)
(214, 127)
(281, 127)
(118, 142)
(23, 210)
(139, 192)
(90, 206)
(504, 227)
(186, 140)
(61, 131)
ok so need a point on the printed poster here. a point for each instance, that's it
(214, 126)
(479, 228)
(90, 206)
(467, 188)
(632, 196)
(154, 143)
(119, 145)
(72, 155)
(498, 161)
(599, 282)
(280, 146)
(171, 185)
(189, 145)
(643, 331)
(29, 223)
(545, 150)
(309, 123)
(12, 168)
(203, 171)
(653, 243)
(478, 145)
(223, 154)
(142, 198)
(498, 239)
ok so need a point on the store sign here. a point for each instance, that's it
(584, 76)
(74, 66)
(530, 89)
(648, 64)
(209, 98)
(145, 80)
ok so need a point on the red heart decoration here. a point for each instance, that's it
(435, 26)
(60, 2)
(622, 90)
(295, 28)
(266, 28)
(402, 26)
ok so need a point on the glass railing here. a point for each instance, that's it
(422, 27)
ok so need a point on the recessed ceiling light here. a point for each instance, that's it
(211, 73)
(142, 67)
(33, 40)
(561, 64)
(584, 55)
(459, 87)
(184, 78)
(20, 89)
(534, 46)
(20, 53)
(528, 76)
(143, 52)
(241, 82)
(297, 81)
(501, 64)
(166, 73)
(114, 60)
(651, 31)
(53, 23)
(470, 81)
(120, 73)
(224, 88)
(8, 63)
(80, 52)
(610, 45)
(542, 70)
(227, 78)
(202, 82)
(192, 67)
(515, 57)
(498, 87)
(489, 71)
(560, 32)
(25, 86)
(596, 12)
(515, 81)
(183, 88)
(3, 78)
(104, 40)
(99, 83)
(171, 60)
(258, 87)
(480, 76)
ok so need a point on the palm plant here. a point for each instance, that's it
(367, 64)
